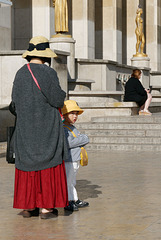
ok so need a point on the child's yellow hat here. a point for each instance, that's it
(71, 106)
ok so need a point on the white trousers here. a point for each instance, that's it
(71, 172)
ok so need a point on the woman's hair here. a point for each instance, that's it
(136, 73)
(44, 59)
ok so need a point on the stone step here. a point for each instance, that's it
(121, 126)
(156, 118)
(124, 147)
(104, 108)
(133, 133)
(124, 140)
(3, 146)
(122, 132)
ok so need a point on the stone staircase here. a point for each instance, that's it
(124, 133)
(128, 133)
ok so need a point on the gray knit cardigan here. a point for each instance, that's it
(39, 138)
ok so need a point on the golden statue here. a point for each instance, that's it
(61, 16)
(140, 39)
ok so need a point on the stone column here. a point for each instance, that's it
(21, 24)
(83, 13)
(5, 27)
(119, 31)
(41, 18)
(152, 33)
(109, 30)
(131, 37)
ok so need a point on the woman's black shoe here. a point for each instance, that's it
(49, 215)
(33, 213)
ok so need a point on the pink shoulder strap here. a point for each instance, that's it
(28, 65)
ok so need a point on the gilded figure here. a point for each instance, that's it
(140, 39)
(61, 16)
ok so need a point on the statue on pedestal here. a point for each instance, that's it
(140, 39)
(61, 16)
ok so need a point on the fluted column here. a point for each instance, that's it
(83, 15)
(152, 37)
(109, 29)
(41, 18)
(131, 26)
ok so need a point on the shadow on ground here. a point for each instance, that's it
(2, 155)
(86, 190)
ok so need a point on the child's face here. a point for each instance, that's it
(71, 117)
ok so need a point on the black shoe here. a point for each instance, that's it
(49, 215)
(33, 213)
(81, 204)
(71, 207)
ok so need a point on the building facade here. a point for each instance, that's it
(95, 62)
(102, 29)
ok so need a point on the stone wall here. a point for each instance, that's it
(10, 62)
(107, 75)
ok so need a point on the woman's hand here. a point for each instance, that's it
(147, 90)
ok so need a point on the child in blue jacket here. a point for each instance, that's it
(75, 141)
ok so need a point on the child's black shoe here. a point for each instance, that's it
(71, 207)
(81, 204)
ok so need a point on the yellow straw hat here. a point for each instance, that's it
(39, 47)
(71, 106)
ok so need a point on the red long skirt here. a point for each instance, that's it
(42, 189)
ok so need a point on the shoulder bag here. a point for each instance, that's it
(10, 153)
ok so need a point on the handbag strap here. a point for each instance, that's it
(28, 65)
(71, 131)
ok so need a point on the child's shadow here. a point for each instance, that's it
(87, 190)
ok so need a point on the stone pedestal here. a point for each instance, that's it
(60, 66)
(66, 44)
(140, 62)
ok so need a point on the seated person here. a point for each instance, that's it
(135, 92)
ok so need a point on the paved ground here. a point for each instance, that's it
(124, 192)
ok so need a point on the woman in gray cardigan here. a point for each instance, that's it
(40, 147)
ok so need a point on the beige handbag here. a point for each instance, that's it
(83, 154)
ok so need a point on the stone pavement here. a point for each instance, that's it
(124, 192)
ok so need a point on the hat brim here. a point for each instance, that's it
(48, 53)
(79, 110)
